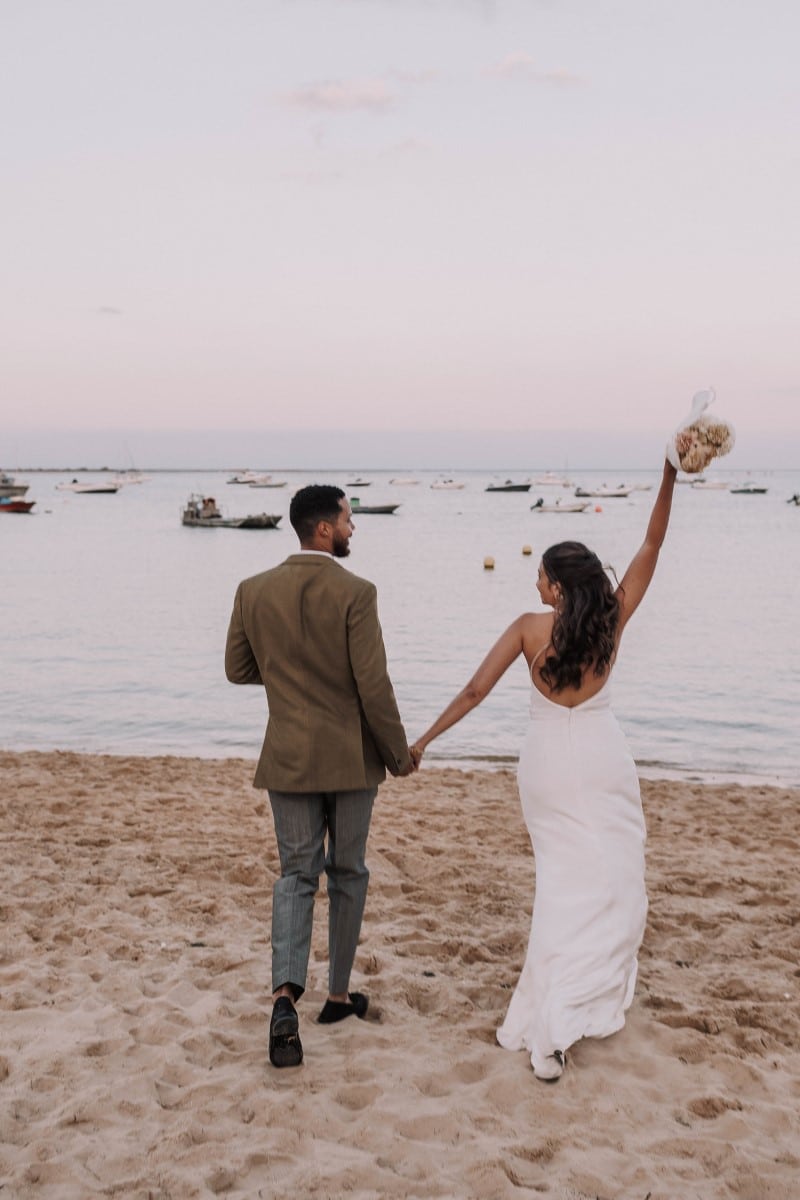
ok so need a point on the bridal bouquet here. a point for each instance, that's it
(700, 439)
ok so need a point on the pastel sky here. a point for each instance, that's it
(399, 214)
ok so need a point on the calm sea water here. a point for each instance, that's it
(114, 617)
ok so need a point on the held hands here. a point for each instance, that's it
(416, 753)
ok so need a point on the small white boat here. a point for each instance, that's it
(268, 481)
(9, 486)
(359, 482)
(88, 489)
(550, 479)
(748, 489)
(447, 485)
(400, 482)
(560, 506)
(248, 477)
(710, 485)
(126, 478)
(604, 492)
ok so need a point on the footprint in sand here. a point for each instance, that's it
(358, 1097)
(709, 1107)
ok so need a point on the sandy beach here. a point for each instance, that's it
(135, 985)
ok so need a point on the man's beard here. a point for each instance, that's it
(340, 546)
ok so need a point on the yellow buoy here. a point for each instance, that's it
(488, 564)
(527, 550)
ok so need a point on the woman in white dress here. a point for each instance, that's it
(580, 798)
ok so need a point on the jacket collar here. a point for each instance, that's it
(311, 560)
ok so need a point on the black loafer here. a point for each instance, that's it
(334, 1010)
(285, 1047)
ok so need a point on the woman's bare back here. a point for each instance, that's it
(536, 635)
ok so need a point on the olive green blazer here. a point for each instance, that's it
(308, 630)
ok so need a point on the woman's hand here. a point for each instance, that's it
(416, 751)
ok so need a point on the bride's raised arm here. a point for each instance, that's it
(636, 579)
(506, 649)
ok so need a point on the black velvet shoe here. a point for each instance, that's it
(285, 1047)
(334, 1010)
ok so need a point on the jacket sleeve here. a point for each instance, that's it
(375, 691)
(240, 662)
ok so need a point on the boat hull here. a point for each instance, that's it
(256, 521)
(608, 494)
(559, 508)
(12, 505)
(374, 509)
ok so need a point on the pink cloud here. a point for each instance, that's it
(344, 96)
(523, 66)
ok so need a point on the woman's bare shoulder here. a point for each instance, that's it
(536, 628)
(537, 620)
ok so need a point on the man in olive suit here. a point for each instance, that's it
(308, 631)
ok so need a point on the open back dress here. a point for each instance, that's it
(580, 799)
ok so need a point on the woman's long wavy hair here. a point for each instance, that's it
(585, 625)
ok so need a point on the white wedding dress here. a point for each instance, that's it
(580, 799)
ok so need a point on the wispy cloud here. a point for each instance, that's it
(422, 76)
(312, 177)
(408, 146)
(523, 66)
(371, 95)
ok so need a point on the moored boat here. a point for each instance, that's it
(128, 478)
(559, 506)
(377, 509)
(203, 511)
(248, 477)
(446, 485)
(550, 479)
(9, 486)
(12, 504)
(508, 486)
(748, 489)
(605, 492)
(87, 489)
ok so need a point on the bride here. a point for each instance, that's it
(580, 799)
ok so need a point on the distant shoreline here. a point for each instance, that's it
(336, 470)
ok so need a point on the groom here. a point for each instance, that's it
(308, 631)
